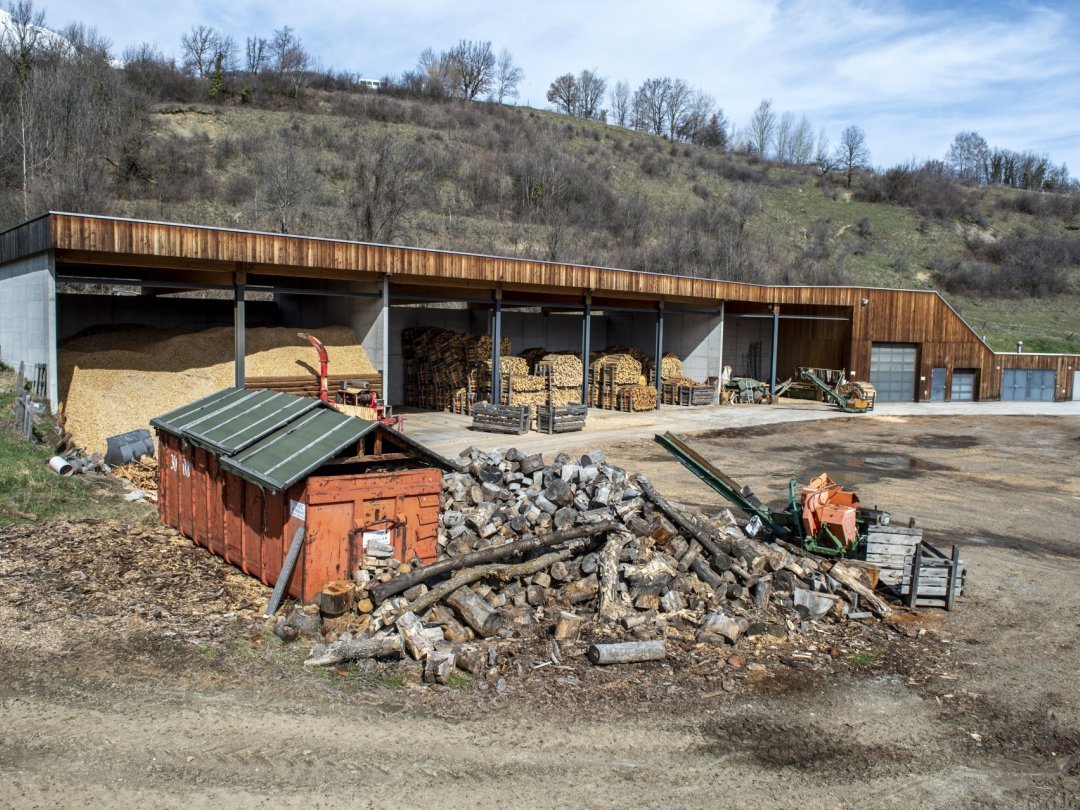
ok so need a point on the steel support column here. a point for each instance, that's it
(496, 351)
(586, 347)
(658, 369)
(775, 339)
(239, 321)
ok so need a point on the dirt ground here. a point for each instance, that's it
(114, 698)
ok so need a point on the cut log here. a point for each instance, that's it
(384, 590)
(477, 613)
(581, 591)
(412, 634)
(851, 578)
(355, 650)
(611, 607)
(568, 626)
(507, 571)
(628, 652)
(438, 666)
(336, 597)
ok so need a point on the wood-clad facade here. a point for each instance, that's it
(838, 325)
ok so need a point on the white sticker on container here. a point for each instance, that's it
(298, 510)
(187, 468)
(172, 463)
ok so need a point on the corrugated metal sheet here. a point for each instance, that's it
(284, 457)
(270, 438)
(247, 419)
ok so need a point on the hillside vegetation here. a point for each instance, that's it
(338, 161)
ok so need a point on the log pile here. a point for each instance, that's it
(579, 550)
(622, 369)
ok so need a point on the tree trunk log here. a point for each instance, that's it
(611, 608)
(627, 653)
(877, 606)
(506, 571)
(355, 649)
(477, 613)
(568, 626)
(384, 590)
(412, 633)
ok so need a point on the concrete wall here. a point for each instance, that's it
(697, 339)
(28, 315)
(366, 316)
(740, 335)
(76, 313)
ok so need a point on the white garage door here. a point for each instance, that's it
(892, 371)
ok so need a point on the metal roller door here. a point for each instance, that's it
(892, 371)
(963, 385)
(1029, 385)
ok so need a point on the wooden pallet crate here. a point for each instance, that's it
(501, 418)
(561, 420)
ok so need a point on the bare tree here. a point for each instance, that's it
(285, 173)
(968, 155)
(507, 77)
(387, 181)
(822, 154)
(199, 46)
(651, 104)
(852, 153)
(591, 89)
(20, 43)
(564, 94)
(762, 129)
(289, 59)
(621, 105)
(785, 133)
(678, 105)
(473, 64)
(802, 142)
(255, 55)
(438, 76)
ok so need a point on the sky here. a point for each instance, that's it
(910, 73)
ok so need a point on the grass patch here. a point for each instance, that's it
(863, 658)
(393, 680)
(29, 487)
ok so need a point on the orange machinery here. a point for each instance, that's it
(829, 515)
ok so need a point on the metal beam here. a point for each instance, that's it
(658, 372)
(775, 340)
(239, 327)
(770, 316)
(127, 282)
(496, 340)
(308, 291)
(586, 347)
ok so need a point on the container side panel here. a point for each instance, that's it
(274, 534)
(326, 553)
(215, 501)
(233, 518)
(184, 507)
(253, 531)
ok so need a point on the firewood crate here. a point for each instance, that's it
(560, 420)
(902, 554)
(687, 395)
(501, 418)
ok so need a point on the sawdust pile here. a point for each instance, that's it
(116, 381)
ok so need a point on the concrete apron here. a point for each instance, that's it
(449, 434)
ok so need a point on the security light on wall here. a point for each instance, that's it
(865, 301)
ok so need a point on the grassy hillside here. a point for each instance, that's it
(523, 182)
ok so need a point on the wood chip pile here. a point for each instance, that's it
(580, 548)
(113, 382)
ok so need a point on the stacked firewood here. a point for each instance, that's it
(529, 548)
(622, 369)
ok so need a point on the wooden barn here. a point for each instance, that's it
(61, 274)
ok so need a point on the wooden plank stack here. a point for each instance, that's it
(308, 385)
(577, 548)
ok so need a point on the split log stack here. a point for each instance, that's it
(577, 549)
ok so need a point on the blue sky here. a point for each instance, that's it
(911, 73)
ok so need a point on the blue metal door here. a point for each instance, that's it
(937, 385)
